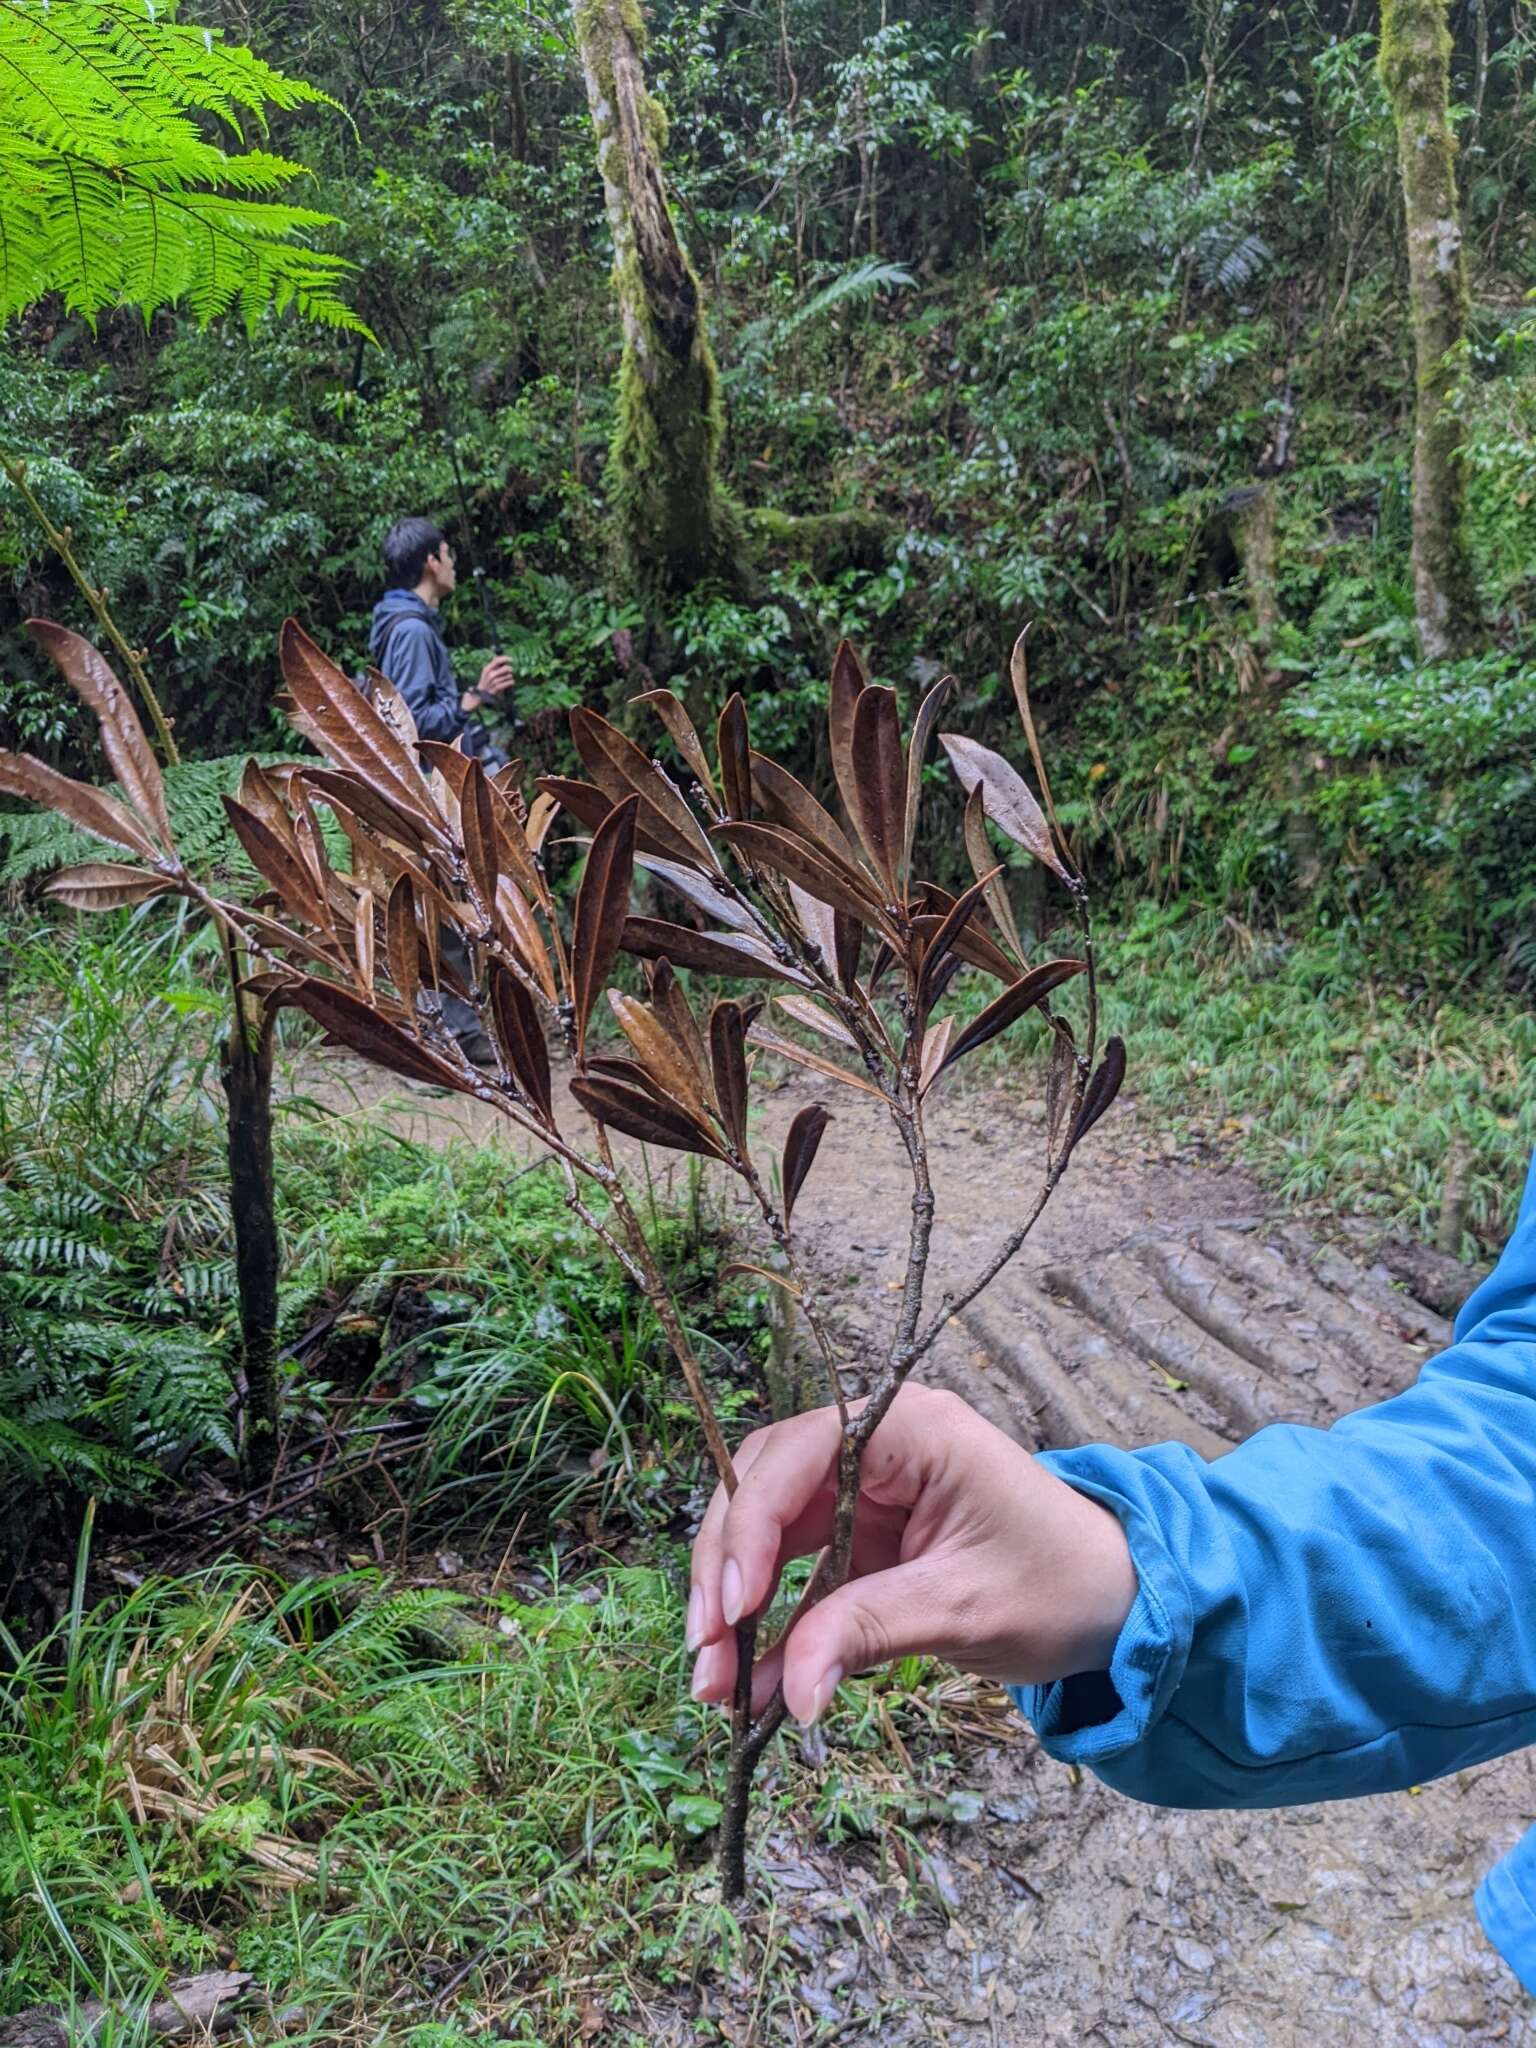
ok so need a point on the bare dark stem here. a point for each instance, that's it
(246, 1074)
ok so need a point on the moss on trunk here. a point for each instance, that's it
(676, 525)
(1415, 70)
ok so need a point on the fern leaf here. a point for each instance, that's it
(110, 193)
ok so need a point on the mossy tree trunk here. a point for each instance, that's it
(676, 525)
(1415, 69)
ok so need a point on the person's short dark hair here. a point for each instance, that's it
(406, 548)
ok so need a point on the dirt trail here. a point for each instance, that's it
(1071, 1914)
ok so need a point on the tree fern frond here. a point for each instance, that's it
(110, 193)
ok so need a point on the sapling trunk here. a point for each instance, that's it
(246, 1073)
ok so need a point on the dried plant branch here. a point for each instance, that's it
(793, 899)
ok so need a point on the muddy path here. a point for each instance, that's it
(1159, 1296)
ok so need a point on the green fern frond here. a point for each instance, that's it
(111, 193)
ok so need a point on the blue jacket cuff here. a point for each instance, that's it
(1095, 1715)
(1506, 1905)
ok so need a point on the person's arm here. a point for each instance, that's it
(411, 665)
(1327, 1613)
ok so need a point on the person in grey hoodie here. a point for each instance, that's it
(406, 641)
(407, 645)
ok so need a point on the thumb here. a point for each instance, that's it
(873, 1620)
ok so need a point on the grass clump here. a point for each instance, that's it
(222, 1772)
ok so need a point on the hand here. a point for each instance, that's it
(965, 1547)
(495, 677)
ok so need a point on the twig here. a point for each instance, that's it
(61, 540)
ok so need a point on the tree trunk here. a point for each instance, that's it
(676, 525)
(246, 1073)
(1415, 69)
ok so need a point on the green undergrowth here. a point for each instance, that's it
(450, 1285)
(1339, 1085)
(221, 1771)
(1337, 1088)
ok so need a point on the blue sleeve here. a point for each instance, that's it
(1325, 1613)
(412, 666)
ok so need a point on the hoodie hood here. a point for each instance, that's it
(396, 604)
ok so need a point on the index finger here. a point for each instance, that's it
(782, 1508)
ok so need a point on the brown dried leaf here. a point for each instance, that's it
(876, 797)
(518, 930)
(81, 802)
(917, 754)
(1009, 803)
(818, 925)
(975, 946)
(728, 1061)
(729, 953)
(979, 853)
(780, 1280)
(800, 1149)
(787, 1049)
(340, 786)
(944, 943)
(815, 1018)
(663, 1055)
(261, 795)
(669, 709)
(278, 863)
(701, 892)
(103, 885)
(1018, 670)
(358, 1026)
(402, 942)
(935, 1051)
(848, 937)
(589, 805)
(541, 815)
(477, 827)
(520, 1035)
(1007, 1008)
(638, 1114)
(602, 905)
(448, 760)
(848, 680)
(1060, 1078)
(618, 766)
(785, 853)
(363, 939)
(1103, 1087)
(129, 754)
(348, 730)
(784, 801)
(514, 854)
(670, 1002)
(734, 745)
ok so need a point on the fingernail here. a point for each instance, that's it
(697, 1685)
(730, 1592)
(695, 1631)
(830, 1681)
